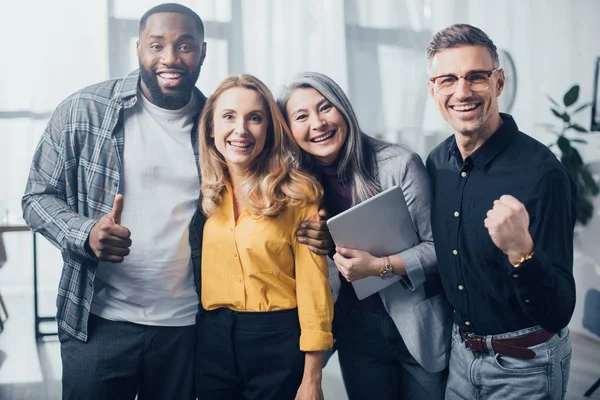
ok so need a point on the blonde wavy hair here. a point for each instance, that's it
(274, 179)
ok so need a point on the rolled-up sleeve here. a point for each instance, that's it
(314, 297)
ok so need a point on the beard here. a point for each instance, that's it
(471, 129)
(178, 97)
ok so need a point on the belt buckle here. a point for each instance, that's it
(469, 336)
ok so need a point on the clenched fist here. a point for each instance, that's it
(508, 225)
(108, 239)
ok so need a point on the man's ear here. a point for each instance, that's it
(500, 82)
(203, 54)
(431, 88)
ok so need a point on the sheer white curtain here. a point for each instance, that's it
(386, 57)
(50, 49)
(282, 38)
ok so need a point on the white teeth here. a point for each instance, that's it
(242, 145)
(323, 138)
(465, 108)
(168, 75)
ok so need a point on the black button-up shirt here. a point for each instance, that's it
(488, 294)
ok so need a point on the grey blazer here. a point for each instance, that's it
(424, 322)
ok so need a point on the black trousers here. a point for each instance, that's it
(248, 355)
(375, 362)
(122, 359)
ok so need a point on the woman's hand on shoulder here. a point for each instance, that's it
(357, 264)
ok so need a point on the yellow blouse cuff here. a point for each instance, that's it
(315, 341)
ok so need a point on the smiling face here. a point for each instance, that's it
(318, 127)
(171, 53)
(240, 125)
(470, 113)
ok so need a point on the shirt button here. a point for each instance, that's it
(234, 255)
(239, 280)
(515, 275)
(460, 287)
(467, 323)
(454, 252)
(463, 174)
(526, 300)
(456, 214)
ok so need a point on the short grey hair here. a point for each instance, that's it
(460, 35)
(357, 162)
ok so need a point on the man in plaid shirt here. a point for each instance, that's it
(114, 183)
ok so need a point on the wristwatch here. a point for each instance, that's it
(388, 269)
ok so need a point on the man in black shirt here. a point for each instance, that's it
(503, 215)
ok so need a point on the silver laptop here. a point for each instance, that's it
(380, 225)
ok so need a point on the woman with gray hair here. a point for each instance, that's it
(395, 343)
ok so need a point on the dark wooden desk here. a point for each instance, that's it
(37, 318)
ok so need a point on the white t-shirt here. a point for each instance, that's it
(160, 185)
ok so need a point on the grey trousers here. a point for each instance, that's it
(121, 360)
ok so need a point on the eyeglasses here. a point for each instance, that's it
(477, 81)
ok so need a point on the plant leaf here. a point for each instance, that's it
(564, 145)
(581, 108)
(577, 128)
(561, 115)
(585, 210)
(571, 96)
(589, 181)
(576, 157)
(553, 101)
(579, 141)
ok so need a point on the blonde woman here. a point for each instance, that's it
(267, 305)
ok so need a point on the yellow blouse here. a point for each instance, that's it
(256, 264)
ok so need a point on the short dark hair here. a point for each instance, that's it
(174, 8)
(460, 35)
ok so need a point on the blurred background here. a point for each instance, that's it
(375, 49)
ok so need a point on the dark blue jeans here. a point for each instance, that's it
(122, 359)
(375, 362)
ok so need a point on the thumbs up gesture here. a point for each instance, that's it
(108, 239)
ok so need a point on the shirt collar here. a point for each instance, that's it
(126, 94)
(492, 147)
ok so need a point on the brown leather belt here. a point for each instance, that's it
(515, 347)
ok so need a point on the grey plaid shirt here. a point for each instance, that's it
(73, 181)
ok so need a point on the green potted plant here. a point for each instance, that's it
(569, 155)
